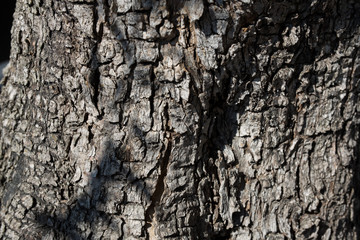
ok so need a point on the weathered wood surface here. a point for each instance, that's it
(217, 119)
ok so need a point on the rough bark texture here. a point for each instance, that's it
(217, 119)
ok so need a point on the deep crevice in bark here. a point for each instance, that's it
(150, 214)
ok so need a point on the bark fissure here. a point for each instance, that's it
(98, 28)
(150, 214)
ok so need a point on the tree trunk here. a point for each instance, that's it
(217, 119)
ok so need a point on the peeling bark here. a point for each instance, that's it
(143, 119)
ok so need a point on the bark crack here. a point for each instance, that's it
(150, 214)
(100, 16)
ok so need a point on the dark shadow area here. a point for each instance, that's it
(6, 16)
(85, 209)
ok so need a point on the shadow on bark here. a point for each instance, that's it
(86, 208)
(224, 117)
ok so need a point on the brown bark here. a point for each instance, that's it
(144, 119)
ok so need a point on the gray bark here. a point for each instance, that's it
(217, 119)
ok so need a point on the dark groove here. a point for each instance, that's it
(160, 185)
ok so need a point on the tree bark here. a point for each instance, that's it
(217, 119)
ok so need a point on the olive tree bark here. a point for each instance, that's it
(217, 119)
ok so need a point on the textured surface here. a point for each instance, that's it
(141, 119)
